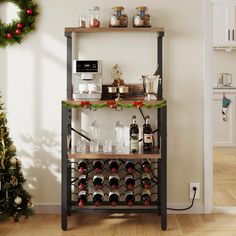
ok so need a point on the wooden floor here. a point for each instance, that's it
(115, 225)
(224, 176)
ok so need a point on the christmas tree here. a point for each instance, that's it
(15, 201)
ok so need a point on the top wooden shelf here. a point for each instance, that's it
(117, 29)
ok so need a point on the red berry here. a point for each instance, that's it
(9, 35)
(29, 11)
(18, 31)
(19, 25)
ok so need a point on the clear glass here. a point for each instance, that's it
(94, 131)
(119, 136)
(94, 146)
(82, 21)
(107, 146)
(94, 21)
(81, 146)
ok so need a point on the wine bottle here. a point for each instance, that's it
(134, 136)
(129, 166)
(129, 198)
(129, 181)
(82, 182)
(82, 166)
(114, 165)
(98, 165)
(146, 197)
(98, 197)
(98, 180)
(147, 135)
(114, 180)
(114, 197)
(146, 166)
(82, 198)
(146, 181)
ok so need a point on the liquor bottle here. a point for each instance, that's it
(82, 166)
(129, 166)
(129, 198)
(98, 165)
(146, 197)
(146, 166)
(114, 166)
(82, 182)
(134, 136)
(146, 181)
(98, 180)
(114, 197)
(98, 197)
(82, 198)
(147, 135)
(114, 180)
(129, 181)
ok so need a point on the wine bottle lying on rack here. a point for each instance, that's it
(98, 166)
(146, 181)
(130, 198)
(129, 166)
(82, 182)
(130, 181)
(114, 166)
(146, 197)
(82, 198)
(82, 166)
(146, 166)
(114, 197)
(114, 181)
(98, 197)
(98, 180)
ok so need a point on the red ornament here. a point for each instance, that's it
(9, 35)
(18, 31)
(19, 25)
(138, 104)
(111, 104)
(85, 104)
(29, 11)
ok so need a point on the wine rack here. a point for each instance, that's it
(157, 157)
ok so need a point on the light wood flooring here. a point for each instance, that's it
(115, 225)
(224, 176)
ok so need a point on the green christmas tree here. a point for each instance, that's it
(15, 201)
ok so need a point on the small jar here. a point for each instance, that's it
(94, 21)
(118, 18)
(82, 21)
(141, 18)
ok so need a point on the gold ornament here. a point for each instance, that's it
(12, 148)
(20, 172)
(30, 203)
(19, 162)
(14, 181)
(18, 200)
(13, 160)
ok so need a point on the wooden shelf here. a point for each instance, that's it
(109, 29)
(114, 155)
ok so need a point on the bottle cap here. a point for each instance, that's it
(146, 186)
(147, 203)
(118, 8)
(130, 204)
(114, 204)
(97, 203)
(130, 170)
(81, 170)
(114, 170)
(81, 186)
(130, 186)
(81, 203)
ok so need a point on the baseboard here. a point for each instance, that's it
(198, 208)
(224, 209)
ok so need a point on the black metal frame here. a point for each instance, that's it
(66, 205)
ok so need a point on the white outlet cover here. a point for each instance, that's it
(191, 191)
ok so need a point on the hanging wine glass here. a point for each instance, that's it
(119, 136)
(94, 131)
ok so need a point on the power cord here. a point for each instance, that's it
(187, 208)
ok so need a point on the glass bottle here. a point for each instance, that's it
(98, 197)
(94, 131)
(134, 136)
(82, 182)
(130, 198)
(82, 198)
(146, 197)
(114, 181)
(146, 166)
(129, 166)
(114, 197)
(146, 181)
(147, 135)
(119, 136)
(98, 166)
(114, 166)
(98, 180)
(94, 21)
(82, 166)
(129, 181)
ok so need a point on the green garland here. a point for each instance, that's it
(15, 31)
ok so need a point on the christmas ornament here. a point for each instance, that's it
(19, 162)
(30, 203)
(12, 148)
(18, 200)
(12, 160)
(14, 181)
(14, 32)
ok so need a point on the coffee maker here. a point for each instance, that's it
(87, 79)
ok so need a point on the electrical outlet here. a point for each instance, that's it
(191, 191)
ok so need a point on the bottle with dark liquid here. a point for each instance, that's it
(98, 197)
(98, 165)
(129, 198)
(146, 166)
(147, 135)
(146, 181)
(114, 197)
(82, 198)
(146, 197)
(129, 166)
(98, 180)
(129, 181)
(82, 182)
(114, 181)
(114, 165)
(82, 166)
(134, 136)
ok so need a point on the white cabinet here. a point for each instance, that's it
(224, 132)
(224, 24)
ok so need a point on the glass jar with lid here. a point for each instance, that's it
(142, 18)
(94, 21)
(118, 17)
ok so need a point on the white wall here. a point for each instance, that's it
(36, 76)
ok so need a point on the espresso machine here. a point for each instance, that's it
(87, 79)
